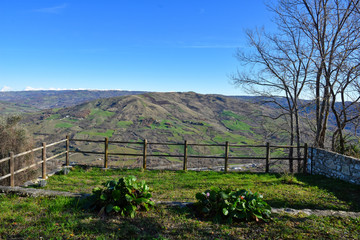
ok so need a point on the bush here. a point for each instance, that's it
(232, 205)
(125, 196)
(15, 138)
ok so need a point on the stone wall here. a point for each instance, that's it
(333, 165)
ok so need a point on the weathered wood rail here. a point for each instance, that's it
(44, 159)
(145, 146)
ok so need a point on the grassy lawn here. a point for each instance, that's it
(298, 191)
(62, 218)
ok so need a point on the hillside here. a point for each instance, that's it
(16, 108)
(36, 100)
(159, 117)
(177, 116)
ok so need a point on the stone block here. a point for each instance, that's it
(345, 170)
(330, 164)
(356, 173)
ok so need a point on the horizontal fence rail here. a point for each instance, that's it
(11, 159)
(144, 154)
(145, 145)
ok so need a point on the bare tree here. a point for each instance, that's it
(281, 64)
(333, 27)
(314, 50)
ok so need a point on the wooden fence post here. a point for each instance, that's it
(106, 153)
(226, 156)
(67, 150)
(305, 157)
(44, 160)
(185, 155)
(144, 154)
(267, 157)
(291, 160)
(11, 168)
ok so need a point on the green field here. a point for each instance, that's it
(124, 124)
(108, 133)
(100, 112)
(63, 125)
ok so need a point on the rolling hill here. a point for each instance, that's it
(176, 116)
(33, 101)
(159, 117)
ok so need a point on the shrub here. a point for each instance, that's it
(15, 138)
(232, 205)
(125, 196)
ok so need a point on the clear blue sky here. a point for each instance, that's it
(148, 45)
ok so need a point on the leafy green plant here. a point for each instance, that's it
(232, 205)
(125, 196)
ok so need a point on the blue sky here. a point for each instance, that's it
(148, 45)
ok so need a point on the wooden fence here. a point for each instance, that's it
(145, 146)
(44, 159)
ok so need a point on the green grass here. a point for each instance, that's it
(102, 113)
(304, 191)
(62, 218)
(236, 125)
(53, 116)
(231, 114)
(108, 133)
(174, 127)
(124, 124)
(64, 125)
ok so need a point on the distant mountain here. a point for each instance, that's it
(37, 100)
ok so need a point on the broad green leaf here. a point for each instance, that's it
(103, 197)
(225, 211)
(116, 194)
(116, 208)
(224, 195)
(140, 200)
(129, 198)
(109, 208)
